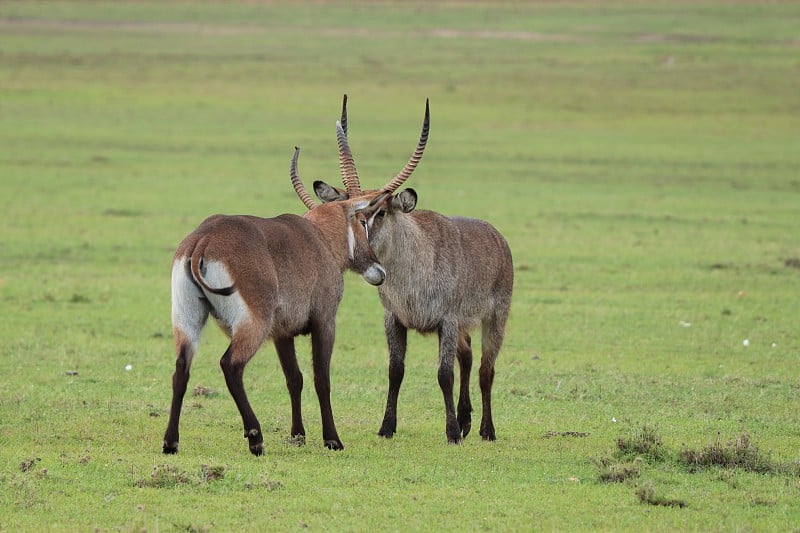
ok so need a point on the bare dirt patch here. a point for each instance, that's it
(551, 434)
(192, 28)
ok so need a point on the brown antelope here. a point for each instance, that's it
(268, 278)
(444, 275)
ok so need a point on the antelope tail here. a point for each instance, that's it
(195, 265)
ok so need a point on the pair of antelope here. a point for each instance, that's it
(280, 277)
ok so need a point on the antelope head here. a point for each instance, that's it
(353, 234)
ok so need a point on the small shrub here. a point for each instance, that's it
(212, 473)
(79, 299)
(164, 476)
(268, 484)
(645, 442)
(647, 494)
(296, 440)
(740, 453)
(27, 464)
(201, 390)
(792, 262)
(611, 471)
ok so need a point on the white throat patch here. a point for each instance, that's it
(371, 220)
(351, 242)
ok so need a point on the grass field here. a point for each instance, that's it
(642, 159)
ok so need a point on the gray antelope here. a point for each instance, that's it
(268, 278)
(445, 275)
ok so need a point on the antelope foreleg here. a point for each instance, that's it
(396, 338)
(448, 342)
(294, 382)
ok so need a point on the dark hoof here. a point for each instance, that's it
(170, 449)
(488, 434)
(465, 419)
(453, 432)
(257, 449)
(388, 429)
(332, 444)
(256, 441)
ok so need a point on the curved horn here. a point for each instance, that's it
(299, 188)
(346, 163)
(404, 174)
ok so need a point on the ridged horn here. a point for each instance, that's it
(346, 163)
(404, 174)
(299, 188)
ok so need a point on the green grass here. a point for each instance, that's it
(642, 158)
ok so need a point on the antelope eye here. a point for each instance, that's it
(380, 213)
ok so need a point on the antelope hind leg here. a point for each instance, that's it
(448, 344)
(233, 362)
(464, 409)
(180, 379)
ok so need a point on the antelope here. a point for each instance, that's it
(445, 275)
(268, 278)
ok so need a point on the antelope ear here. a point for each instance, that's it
(406, 201)
(326, 193)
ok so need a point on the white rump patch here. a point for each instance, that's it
(189, 312)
